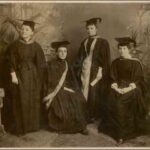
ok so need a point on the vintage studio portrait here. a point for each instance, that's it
(74, 74)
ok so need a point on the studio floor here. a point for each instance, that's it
(47, 139)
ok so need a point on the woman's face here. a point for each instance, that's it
(26, 32)
(91, 30)
(62, 52)
(124, 51)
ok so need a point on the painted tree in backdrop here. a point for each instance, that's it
(47, 17)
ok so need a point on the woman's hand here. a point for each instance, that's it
(126, 90)
(48, 103)
(14, 78)
(99, 73)
(120, 91)
(98, 77)
(131, 87)
(48, 99)
(115, 87)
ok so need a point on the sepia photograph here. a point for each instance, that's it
(75, 74)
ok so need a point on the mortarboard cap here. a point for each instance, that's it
(94, 21)
(125, 41)
(58, 44)
(29, 23)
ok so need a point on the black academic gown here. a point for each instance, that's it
(1, 68)
(126, 112)
(22, 102)
(101, 58)
(67, 110)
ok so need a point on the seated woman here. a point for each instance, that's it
(64, 102)
(126, 107)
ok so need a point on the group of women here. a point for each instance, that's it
(73, 95)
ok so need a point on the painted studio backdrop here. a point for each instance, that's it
(66, 21)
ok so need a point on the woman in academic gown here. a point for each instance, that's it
(64, 102)
(26, 63)
(126, 105)
(92, 68)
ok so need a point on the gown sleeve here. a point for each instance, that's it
(51, 76)
(141, 89)
(40, 63)
(78, 63)
(104, 60)
(71, 80)
(11, 58)
(113, 73)
(138, 76)
(45, 82)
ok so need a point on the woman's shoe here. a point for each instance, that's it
(120, 141)
(85, 132)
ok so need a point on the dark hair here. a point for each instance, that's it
(124, 44)
(90, 24)
(31, 25)
(59, 47)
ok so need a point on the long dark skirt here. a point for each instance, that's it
(26, 111)
(125, 113)
(21, 113)
(67, 112)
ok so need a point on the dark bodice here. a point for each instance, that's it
(101, 58)
(27, 60)
(55, 70)
(126, 71)
(25, 56)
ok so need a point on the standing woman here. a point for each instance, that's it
(92, 68)
(64, 101)
(26, 64)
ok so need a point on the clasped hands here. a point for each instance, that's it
(131, 87)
